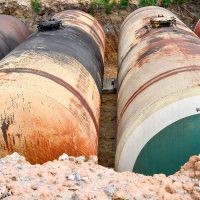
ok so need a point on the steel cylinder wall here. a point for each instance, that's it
(158, 86)
(12, 33)
(50, 90)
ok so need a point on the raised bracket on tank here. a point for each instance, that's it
(50, 25)
(110, 86)
(161, 21)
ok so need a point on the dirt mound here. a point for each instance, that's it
(75, 178)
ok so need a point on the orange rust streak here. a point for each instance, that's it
(58, 81)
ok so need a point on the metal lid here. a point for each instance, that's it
(161, 21)
(50, 25)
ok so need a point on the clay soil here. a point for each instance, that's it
(74, 179)
(111, 23)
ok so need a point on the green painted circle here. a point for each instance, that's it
(168, 150)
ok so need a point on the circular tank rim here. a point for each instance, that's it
(178, 110)
(171, 148)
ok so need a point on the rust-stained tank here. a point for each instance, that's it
(50, 90)
(158, 125)
(197, 29)
(12, 33)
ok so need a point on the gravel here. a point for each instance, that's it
(71, 179)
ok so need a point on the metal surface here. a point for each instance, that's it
(158, 83)
(50, 25)
(51, 87)
(12, 33)
(161, 21)
(178, 137)
(197, 29)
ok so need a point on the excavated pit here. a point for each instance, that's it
(111, 24)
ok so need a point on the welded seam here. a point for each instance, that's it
(58, 81)
(154, 80)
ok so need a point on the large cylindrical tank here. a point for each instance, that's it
(12, 33)
(158, 93)
(197, 29)
(50, 90)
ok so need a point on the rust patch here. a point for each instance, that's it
(151, 50)
(143, 32)
(154, 46)
(68, 140)
(187, 45)
(58, 81)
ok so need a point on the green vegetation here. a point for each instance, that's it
(101, 3)
(179, 1)
(36, 5)
(143, 3)
(123, 3)
(91, 9)
(165, 3)
(107, 5)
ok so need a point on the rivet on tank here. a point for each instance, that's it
(197, 29)
(12, 33)
(50, 88)
(158, 125)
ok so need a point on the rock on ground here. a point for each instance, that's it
(69, 179)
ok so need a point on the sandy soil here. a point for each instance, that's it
(75, 179)
(106, 154)
(111, 23)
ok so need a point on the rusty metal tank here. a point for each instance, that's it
(158, 125)
(50, 90)
(197, 29)
(12, 33)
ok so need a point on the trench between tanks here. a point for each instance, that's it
(111, 24)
